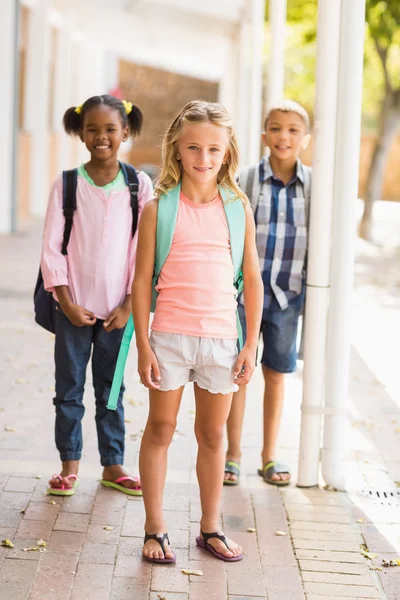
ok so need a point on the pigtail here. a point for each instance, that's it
(135, 120)
(72, 121)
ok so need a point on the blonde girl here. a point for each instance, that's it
(194, 331)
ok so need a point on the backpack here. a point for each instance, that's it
(44, 304)
(167, 212)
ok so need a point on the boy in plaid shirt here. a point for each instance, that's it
(279, 192)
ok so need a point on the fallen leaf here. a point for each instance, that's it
(397, 483)
(191, 572)
(33, 549)
(390, 563)
(369, 555)
(360, 520)
(1, 409)
(7, 543)
(398, 561)
(52, 502)
(278, 532)
(375, 568)
(10, 358)
(161, 597)
(108, 528)
(251, 529)
(20, 380)
(9, 428)
(38, 476)
(397, 430)
(33, 363)
(51, 388)
(23, 511)
(127, 421)
(42, 544)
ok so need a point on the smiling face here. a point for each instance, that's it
(202, 149)
(285, 134)
(103, 131)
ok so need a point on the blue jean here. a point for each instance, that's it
(73, 346)
(279, 333)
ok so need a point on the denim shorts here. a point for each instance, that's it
(279, 334)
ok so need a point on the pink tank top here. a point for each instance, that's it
(196, 291)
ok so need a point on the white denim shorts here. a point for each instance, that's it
(209, 362)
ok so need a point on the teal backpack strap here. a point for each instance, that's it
(236, 218)
(167, 212)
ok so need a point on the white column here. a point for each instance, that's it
(36, 105)
(348, 130)
(255, 121)
(62, 95)
(319, 240)
(8, 25)
(243, 86)
(276, 67)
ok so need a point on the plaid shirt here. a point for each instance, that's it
(281, 215)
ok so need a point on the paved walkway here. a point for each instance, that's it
(94, 538)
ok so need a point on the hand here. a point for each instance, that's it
(118, 318)
(244, 365)
(79, 316)
(148, 369)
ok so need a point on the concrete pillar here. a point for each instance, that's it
(62, 95)
(243, 87)
(319, 252)
(8, 107)
(256, 83)
(348, 132)
(36, 104)
(276, 66)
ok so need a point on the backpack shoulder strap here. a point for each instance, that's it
(132, 181)
(167, 212)
(70, 180)
(236, 218)
(249, 181)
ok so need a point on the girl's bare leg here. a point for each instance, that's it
(160, 427)
(212, 411)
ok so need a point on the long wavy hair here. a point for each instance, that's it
(194, 113)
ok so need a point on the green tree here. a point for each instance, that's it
(381, 93)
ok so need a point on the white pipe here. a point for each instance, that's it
(276, 71)
(8, 26)
(254, 133)
(319, 240)
(348, 131)
(243, 87)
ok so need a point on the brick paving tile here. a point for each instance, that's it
(331, 589)
(213, 572)
(78, 504)
(171, 596)
(34, 529)
(334, 567)
(107, 514)
(37, 511)
(54, 577)
(202, 590)
(170, 579)
(126, 567)
(326, 555)
(338, 578)
(245, 585)
(17, 500)
(16, 579)
(20, 484)
(325, 544)
(354, 538)
(324, 597)
(317, 517)
(390, 579)
(246, 597)
(81, 593)
(103, 554)
(110, 497)
(130, 546)
(96, 534)
(297, 526)
(90, 577)
(66, 541)
(127, 588)
(72, 522)
(283, 582)
(17, 552)
(179, 503)
(10, 517)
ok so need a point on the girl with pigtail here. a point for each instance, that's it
(88, 260)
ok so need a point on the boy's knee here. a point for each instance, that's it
(272, 376)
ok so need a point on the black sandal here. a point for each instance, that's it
(161, 538)
(233, 468)
(202, 542)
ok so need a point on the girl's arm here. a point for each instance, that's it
(253, 292)
(141, 295)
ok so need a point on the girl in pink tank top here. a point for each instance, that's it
(194, 333)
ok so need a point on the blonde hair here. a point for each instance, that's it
(287, 106)
(196, 112)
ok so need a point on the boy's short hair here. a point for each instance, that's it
(286, 106)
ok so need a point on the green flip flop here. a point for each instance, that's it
(273, 468)
(135, 491)
(234, 468)
(63, 491)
